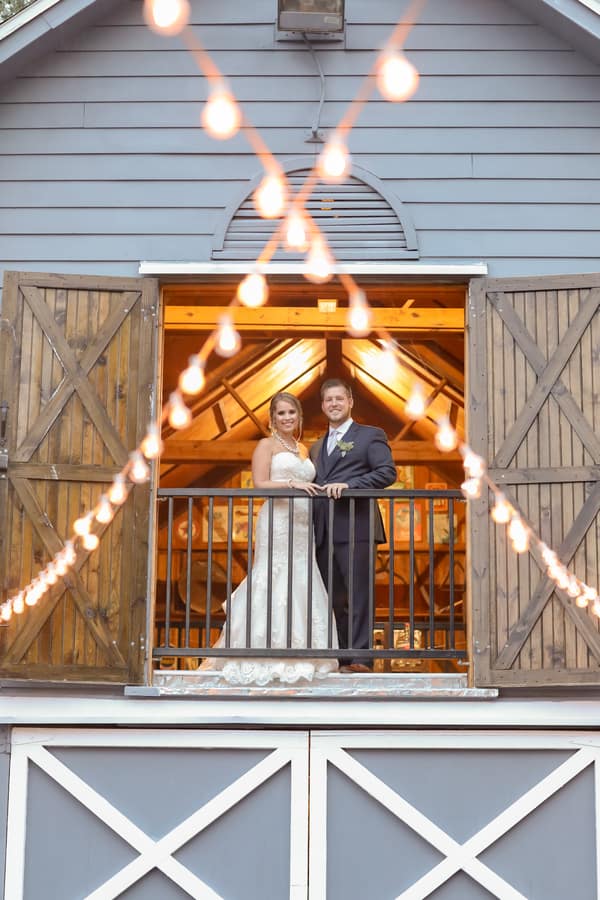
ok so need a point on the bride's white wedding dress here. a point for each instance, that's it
(284, 466)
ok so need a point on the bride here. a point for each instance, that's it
(279, 461)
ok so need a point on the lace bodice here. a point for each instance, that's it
(287, 465)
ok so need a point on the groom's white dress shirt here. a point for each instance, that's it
(336, 434)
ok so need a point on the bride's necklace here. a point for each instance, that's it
(293, 449)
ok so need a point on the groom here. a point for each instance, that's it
(349, 456)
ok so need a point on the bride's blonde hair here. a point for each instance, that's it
(289, 398)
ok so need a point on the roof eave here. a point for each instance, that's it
(40, 34)
(571, 20)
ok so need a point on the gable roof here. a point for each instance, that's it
(40, 27)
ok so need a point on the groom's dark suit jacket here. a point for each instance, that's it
(368, 464)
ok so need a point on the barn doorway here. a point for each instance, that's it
(294, 344)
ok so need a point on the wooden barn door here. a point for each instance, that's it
(534, 415)
(77, 376)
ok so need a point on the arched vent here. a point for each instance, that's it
(362, 221)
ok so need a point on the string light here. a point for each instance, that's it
(446, 438)
(152, 444)
(358, 320)
(334, 161)
(167, 16)
(471, 488)
(519, 534)
(318, 266)
(252, 290)
(104, 511)
(473, 465)
(502, 511)
(82, 525)
(295, 233)
(180, 415)
(139, 471)
(270, 197)
(90, 541)
(397, 78)
(221, 116)
(117, 493)
(192, 380)
(415, 405)
(228, 341)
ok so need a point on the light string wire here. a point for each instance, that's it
(253, 291)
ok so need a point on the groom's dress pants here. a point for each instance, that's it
(362, 550)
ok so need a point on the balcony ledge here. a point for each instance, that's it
(379, 686)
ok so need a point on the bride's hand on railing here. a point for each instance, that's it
(309, 487)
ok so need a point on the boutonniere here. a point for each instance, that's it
(345, 446)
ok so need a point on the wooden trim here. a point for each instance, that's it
(476, 411)
(419, 323)
(545, 475)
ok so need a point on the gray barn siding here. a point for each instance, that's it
(497, 157)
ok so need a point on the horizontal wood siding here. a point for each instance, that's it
(496, 158)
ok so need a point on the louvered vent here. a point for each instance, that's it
(358, 221)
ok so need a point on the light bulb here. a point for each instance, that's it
(82, 526)
(397, 78)
(152, 445)
(318, 266)
(502, 510)
(228, 341)
(33, 594)
(192, 380)
(51, 574)
(295, 233)
(68, 553)
(90, 541)
(61, 565)
(252, 290)
(167, 16)
(221, 116)
(596, 608)
(415, 405)
(548, 555)
(180, 415)
(6, 611)
(117, 492)
(358, 321)
(334, 161)
(18, 604)
(580, 600)
(573, 588)
(518, 534)
(104, 512)
(445, 438)
(138, 468)
(590, 594)
(270, 196)
(471, 488)
(473, 464)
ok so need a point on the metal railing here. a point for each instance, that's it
(416, 579)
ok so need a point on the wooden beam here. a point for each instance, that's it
(234, 453)
(413, 321)
(249, 412)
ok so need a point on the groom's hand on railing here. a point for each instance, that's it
(335, 489)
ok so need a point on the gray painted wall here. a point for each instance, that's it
(497, 158)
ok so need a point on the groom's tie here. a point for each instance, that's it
(331, 442)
